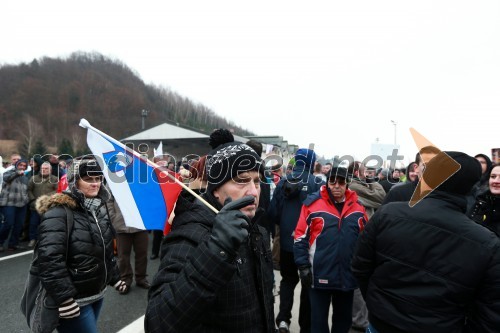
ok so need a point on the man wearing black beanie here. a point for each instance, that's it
(216, 269)
(424, 266)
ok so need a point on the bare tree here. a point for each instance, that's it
(76, 141)
(29, 133)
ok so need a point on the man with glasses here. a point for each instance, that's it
(328, 228)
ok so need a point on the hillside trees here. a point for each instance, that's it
(47, 98)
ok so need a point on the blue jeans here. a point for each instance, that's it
(371, 329)
(86, 322)
(14, 220)
(34, 223)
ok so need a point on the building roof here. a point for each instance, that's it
(167, 131)
(180, 142)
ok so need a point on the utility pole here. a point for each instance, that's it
(144, 114)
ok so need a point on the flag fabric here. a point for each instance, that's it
(145, 194)
(159, 151)
(62, 185)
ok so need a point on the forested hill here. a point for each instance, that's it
(44, 100)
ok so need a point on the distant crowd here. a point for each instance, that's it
(414, 249)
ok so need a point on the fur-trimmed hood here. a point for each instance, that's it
(46, 202)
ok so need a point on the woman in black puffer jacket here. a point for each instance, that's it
(77, 283)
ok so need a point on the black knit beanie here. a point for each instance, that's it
(338, 172)
(83, 166)
(460, 182)
(229, 159)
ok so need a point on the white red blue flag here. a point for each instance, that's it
(145, 194)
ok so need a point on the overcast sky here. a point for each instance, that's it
(332, 73)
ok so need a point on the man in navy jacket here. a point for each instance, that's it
(284, 210)
(327, 231)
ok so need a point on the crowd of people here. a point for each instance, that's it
(375, 249)
(23, 182)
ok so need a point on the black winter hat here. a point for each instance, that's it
(228, 160)
(83, 166)
(460, 182)
(338, 172)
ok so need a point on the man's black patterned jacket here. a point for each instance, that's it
(196, 290)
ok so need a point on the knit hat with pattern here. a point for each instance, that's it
(229, 159)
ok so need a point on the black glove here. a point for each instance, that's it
(69, 309)
(306, 277)
(230, 227)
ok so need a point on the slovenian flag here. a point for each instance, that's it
(145, 194)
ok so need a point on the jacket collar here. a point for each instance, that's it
(350, 196)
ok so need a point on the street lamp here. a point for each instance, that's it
(144, 114)
(395, 126)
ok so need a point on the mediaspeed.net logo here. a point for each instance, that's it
(429, 180)
(432, 176)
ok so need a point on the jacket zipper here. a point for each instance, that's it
(103, 248)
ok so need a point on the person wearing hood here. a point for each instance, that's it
(216, 270)
(485, 162)
(486, 208)
(426, 266)
(76, 266)
(284, 210)
(328, 228)
(13, 201)
(479, 187)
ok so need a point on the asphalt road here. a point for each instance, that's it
(118, 310)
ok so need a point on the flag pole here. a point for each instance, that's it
(85, 124)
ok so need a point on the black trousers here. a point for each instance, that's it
(157, 238)
(289, 280)
(341, 314)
